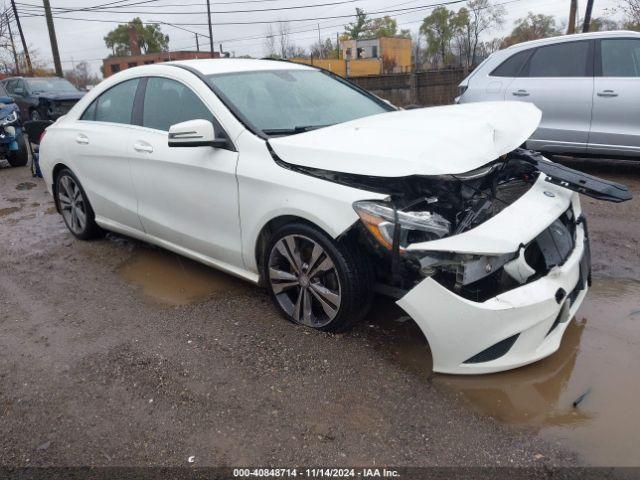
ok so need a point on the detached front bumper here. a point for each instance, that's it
(514, 328)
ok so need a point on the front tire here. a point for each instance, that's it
(315, 281)
(20, 157)
(74, 206)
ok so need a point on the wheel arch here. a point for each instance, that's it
(273, 225)
(55, 171)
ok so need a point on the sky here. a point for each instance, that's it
(83, 40)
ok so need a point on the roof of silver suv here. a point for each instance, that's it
(576, 36)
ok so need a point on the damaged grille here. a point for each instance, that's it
(549, 249)
(554, 245)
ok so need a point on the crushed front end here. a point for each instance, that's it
(491, 264)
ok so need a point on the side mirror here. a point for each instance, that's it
(195, 133)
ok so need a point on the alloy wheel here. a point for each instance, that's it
(72, 204)
(304, 280)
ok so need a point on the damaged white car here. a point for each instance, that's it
(290, 177)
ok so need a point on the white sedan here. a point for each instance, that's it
(289, 177)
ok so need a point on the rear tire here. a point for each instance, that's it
(315, 281)
(74, 206)
(20, 157)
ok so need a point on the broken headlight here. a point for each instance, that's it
(9, 119)
(380, 220)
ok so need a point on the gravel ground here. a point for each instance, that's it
(95, 372)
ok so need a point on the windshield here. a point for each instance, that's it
(50, 84)
(281, 102)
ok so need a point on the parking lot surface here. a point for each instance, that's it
(113, 352)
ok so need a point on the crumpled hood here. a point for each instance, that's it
(55, 96)
(426, 141)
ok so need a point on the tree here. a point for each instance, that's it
(40, 67)
(150, 38)
(384, 27)
(439, 28)
(368, 28)
(284, 46)
(355, 30)
(81, 76)
(471, 22)
(490, 46)
(601, 24)
(532, 27)
(270, 43)
(324, 49)
(631, 8)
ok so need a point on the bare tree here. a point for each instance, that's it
(631, 8)
(283, 39)
(81, 75)
(472, 22)
(270, 43)
(286, 47)
(324, 49)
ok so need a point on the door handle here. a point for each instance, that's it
(141, 147)
(607, 93)
(520, 93)
(82, 139)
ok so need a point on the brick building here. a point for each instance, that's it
(393, 53)
(113, 65)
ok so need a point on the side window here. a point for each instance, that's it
(90, 113)
(512, 66)
(11, 85)
(567, 59)
(620, 57)
(167, 102)
(115, 105)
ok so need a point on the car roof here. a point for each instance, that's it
(212, 66)
(574, 37)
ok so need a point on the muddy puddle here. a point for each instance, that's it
(8, 211)
(172, 279)
(599, 356)
(26, 186)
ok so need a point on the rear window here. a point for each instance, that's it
(512, 66)
(620, 57)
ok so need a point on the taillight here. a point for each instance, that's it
(42, 136)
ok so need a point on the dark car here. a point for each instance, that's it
(42, 98)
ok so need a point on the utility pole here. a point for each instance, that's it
(197, 43)
(210, 27)
(24, 43)
(13, 45)
(573, 8)
(587, 16)
(319, 42)
(52, 38)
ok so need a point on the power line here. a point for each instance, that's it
(419, 8)
(296, 32)
(217, 12)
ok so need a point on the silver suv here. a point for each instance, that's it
(587, 86)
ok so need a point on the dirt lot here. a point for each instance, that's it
(116, 353)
